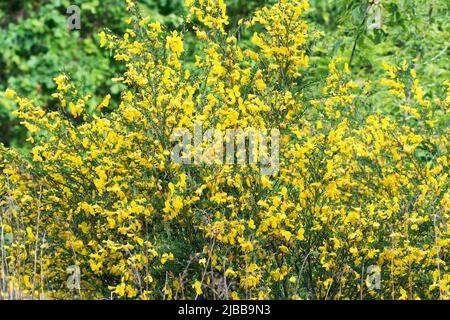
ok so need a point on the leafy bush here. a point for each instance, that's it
(355, 188)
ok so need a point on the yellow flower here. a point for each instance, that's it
(102, 36)
(76, 109)
(198, 287)
(104, 103)
(120, 289)
(166, 256)
(84, 227)
(175, 43)
(10, 93)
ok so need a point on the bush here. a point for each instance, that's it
(358, 196)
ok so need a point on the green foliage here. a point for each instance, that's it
(407, 30)
(37, 46)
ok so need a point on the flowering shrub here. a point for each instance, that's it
(359, 207)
